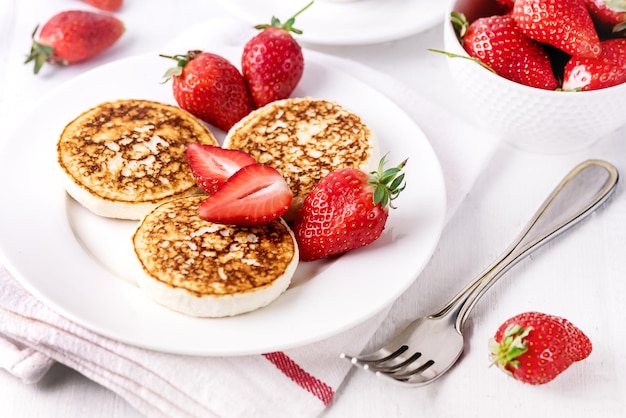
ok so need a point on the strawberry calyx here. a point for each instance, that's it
(288, 25)
(181, 61)
(41, 54)
(388, 183)
(513, 344)
(459, 24)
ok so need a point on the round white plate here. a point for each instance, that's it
(356, 22)
(82, 265)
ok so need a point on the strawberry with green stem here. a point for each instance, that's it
(534, 347)
(209, 87)
(496, 43)
(272, 62)
(73, 36)
(347, 209)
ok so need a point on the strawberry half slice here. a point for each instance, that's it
(254, 195)
(211, 166)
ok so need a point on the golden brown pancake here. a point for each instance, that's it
(205, 269)
(121, 159)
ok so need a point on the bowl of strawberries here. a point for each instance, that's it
(547, 76)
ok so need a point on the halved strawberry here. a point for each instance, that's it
(254, 195)
(211, 166)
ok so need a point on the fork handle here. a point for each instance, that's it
(583, 190)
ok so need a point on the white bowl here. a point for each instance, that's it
(533, 119)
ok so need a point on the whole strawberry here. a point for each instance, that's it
(272, 62)
(347, 209)
(608, 70)
(534, 347)
(564, 24)
(209, 87)
(497, 42)
(73, 36)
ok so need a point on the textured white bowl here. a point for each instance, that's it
(551, 122)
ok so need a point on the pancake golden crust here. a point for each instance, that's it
(129, 153)
(206, 269)
(305, 139)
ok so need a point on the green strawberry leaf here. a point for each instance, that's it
(288, 25)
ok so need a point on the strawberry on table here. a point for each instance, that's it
(272, 62)
(256, 194)
(106, 5)
(209, 87)
(73, 36)
(498, 43)
(212, 166)
(564, 24)
(608, 70)
(347, 209)
(534, 347)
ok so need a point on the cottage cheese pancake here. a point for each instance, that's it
(211, 270)
(305, 139)
(121, 159)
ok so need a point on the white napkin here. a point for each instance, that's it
(298, 382)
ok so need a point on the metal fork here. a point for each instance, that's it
(429, 346)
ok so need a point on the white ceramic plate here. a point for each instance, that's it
(356, 22)
(82, 265)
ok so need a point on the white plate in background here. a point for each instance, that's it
(357, 22)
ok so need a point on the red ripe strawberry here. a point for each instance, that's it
(254, 195)
(564, 24)
(209, 87)
(73, 36)
(272, 62)
(211, 166)
(609, 69)
(347, 209)
(609, 16)
(106, 5)
(535, 347)
(500, 45)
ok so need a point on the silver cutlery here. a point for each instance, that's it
(429, 346)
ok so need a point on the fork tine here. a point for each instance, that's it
(380, 357)
(383, 355)
(407, 374)
(389, 367)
